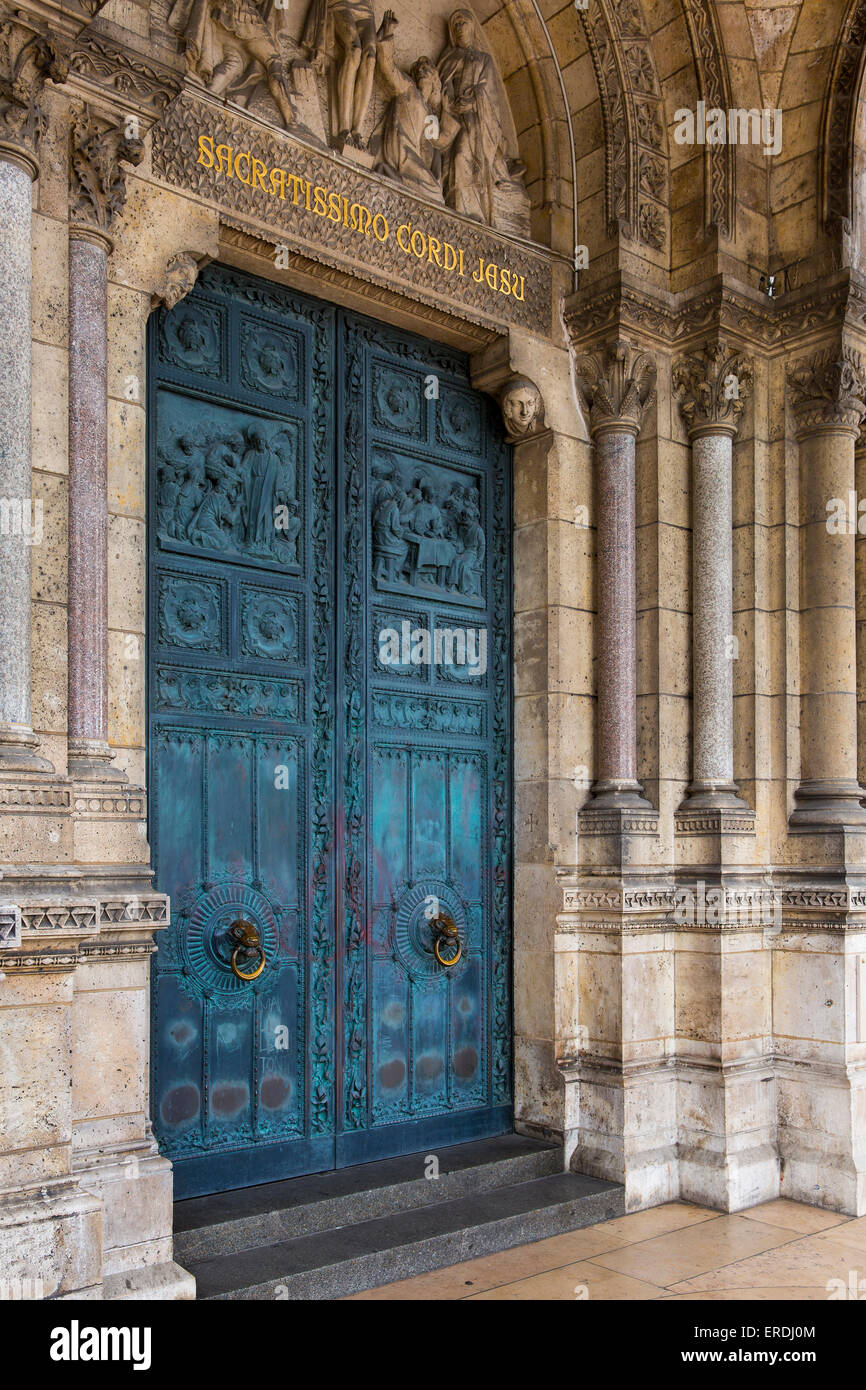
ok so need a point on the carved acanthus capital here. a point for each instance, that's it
(522, 408)
(712, 388)
(828, 390)
(27, 61)
(97, 185)
(181, 273)
(616, 386)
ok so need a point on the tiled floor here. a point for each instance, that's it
(778, 1250)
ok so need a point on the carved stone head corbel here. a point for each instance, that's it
(522, 407)
(181, 273)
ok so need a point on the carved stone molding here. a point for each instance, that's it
(55, 935)
(828, 390)
(10, 927)
(636, 160)
(715, 90)
(27, 61)
(97, 187)
(599, 821)
(616, 385)
(30, 799)
(522, 406)
(104, 64)
(726, 308)
(712, 388)
(840, 115)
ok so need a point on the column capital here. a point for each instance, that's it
(97, 180)
(27, 61)
(712, 387)
(828, 391)
(616, 386)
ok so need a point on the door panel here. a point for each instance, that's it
(241, 690)
(424, 748)
(317, 480)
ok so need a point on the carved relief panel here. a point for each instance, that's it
(418, 98)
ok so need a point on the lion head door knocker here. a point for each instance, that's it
(248, 958)
(447, 946)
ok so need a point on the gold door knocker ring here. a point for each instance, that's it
(447, 946)
(249, 943)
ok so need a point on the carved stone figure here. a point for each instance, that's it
(478, 161)
(522, 408)
(345, 31)
(417, 127)
(261, 468)
(181, 273)
(389, 547)
(232, 46)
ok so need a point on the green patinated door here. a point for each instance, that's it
(329, 738)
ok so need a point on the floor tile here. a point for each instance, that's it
(780, 1295)
(582, 1282)
(808, 1262)
(794, 1216)
(683, 1254)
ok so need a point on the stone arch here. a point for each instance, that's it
(637, 178)
(840, 122)
(545, 137)
(714, 85)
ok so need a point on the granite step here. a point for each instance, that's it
(206, 1227)
(346, 1259)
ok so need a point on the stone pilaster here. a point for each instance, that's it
(828, 395)
(616, 386)
(27, 61)
(97, 193)
(712, 388)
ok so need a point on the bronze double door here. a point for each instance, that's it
(329, 739)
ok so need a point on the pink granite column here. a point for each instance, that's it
(616, 385)
(712, 388)
(20, 526)
(828, 394)
(89, 754)
(96, 196)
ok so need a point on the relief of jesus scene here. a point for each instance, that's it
(230, 488)
(427, 531)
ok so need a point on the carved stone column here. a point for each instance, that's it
(828, 392)
(26, 62)
(97, 193)
(712, 388)
(617, 387)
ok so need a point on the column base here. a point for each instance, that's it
(712, 796)
(90, 760)
(829, 803)
(615, 793)
(17, 751)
